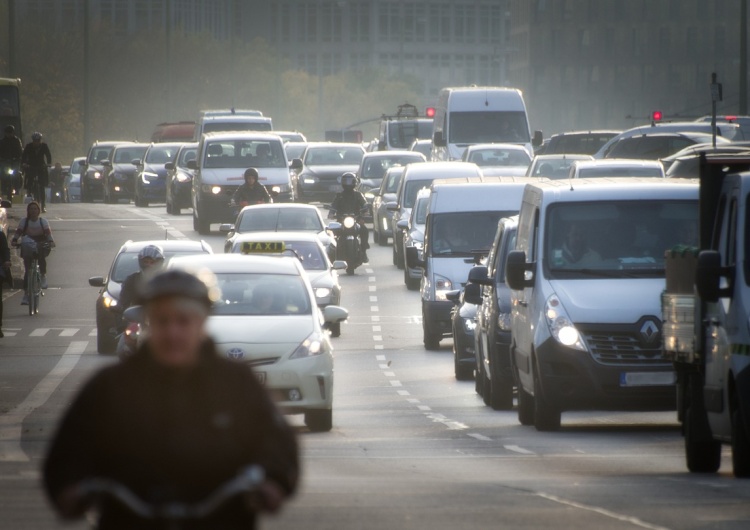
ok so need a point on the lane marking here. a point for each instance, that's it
(377, 338)
(601, 511)
(373, 288)
(378, 346)
(11, 423)
(478, 436)
(92, 333)
(369, 271)
(374, 308)
(403, 393)
(424, 407)
(410, 400)
(376, 329)
(395, 382)
(64, 332)
(383, 366)
(11, 332)
(375, 318)
(380, 357)
(520, 450)
(371, 279)
(373, 299)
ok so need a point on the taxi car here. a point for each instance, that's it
(267, 317)
(308, 249)
(125, 264)
(280, 218)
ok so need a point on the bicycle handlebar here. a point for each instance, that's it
(247, 481)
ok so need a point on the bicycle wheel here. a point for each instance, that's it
(30, 287)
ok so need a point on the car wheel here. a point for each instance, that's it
(105, 343)
(169, 208)
(400, 258)
(525, 407)
(383, 241)
(547, 416)
(375, 237)
(701, 455)
(335, 329)
(319, 420)
(176, 210)
(461, 371)
(501, 389)
(479, 379)
(411, 283)
(393, 253)
(431, 340)
(200, 226)
(740, 447)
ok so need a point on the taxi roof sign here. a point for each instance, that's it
(262, 247)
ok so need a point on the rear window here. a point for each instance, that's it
(281, 219)
(127, 263)
(261, 294)
(127, 155)
(411, 189)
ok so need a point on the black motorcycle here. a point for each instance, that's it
(348, 244)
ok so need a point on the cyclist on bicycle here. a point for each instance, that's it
(37, 229)
(35, 159)
(173, 421)
(11, 151)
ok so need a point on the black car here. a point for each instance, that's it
(125, 264)
(463, 323)
(92, 176)
(321, 167)
(151, 179)
(180, 179)
(494, 377)
(119, 171)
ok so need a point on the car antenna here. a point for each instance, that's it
(571, 183)
(486, 99)
(166, 234)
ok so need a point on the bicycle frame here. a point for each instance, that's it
(34, 285)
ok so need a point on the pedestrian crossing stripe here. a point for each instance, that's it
(740, 349)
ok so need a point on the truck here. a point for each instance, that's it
(705, 310)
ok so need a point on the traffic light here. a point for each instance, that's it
(430, 112)
(656, 116)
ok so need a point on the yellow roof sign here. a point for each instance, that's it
(262, 247)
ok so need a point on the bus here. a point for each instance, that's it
(10, 104)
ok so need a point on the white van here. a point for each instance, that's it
(479, 115)
(462, 218)
(587, 275)
(220, 167)
(231, 120)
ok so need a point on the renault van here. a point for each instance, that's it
(587, 275)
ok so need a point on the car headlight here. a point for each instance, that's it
(417, 244)
(307, 179)
(310, 347)
(9, 171)
(208, 188)
(503, 321)
(183, 177)
(281, 188)
(322, 292)
(147, 177)
(349, 222)
(97, 175)
(108, 301)
(561, 327)
(470, 325)
(370, 196)
(442, 286)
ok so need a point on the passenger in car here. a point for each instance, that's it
(575, 249)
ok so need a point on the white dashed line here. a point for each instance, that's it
(377, 338)
(374, 308)
(373, 288)
(517, 449)
(377, 329)
(380, 357)
(375, 318)
(480, 437)
(424, 407)
(389, 374)
(410, 400)
(369, 271)
(395, 382)
(373, 299)
(371, 279)
(378, 346)
(404, 393)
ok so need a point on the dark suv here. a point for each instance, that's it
(92, 176)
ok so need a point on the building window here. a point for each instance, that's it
(359, 22)
(440, 23)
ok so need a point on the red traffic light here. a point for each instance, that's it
(430, 112)
(656, 115)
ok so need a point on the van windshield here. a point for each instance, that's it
(464, 233)
(617, 239)
(402, 133)
(488, 127)
(244, 154)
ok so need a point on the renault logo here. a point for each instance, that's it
(649, 331)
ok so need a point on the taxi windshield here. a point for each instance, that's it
(127, 263)
(279, 219)
(261, 294)
(618, 239)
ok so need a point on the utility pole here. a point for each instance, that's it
(168, 37)
(743, 58)
(12, 38)
(86, 76)
(715, 96)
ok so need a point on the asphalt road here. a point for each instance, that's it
(411, 447)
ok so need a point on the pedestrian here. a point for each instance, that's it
(5, 275)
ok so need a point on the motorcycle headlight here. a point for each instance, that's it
(147, 177)
(442, 286)
(561, 327)
(470, 325)
(310, 347)
(349, 222)
(322, 292)
(108, 301)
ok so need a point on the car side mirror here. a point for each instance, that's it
(392, 206)
(402, 224)
(134, 313)
(295, 164)
(708, 275)
(333, 314)
(413, 261)
(516, 269)
(438, 139)
(192, 164)
(333, 226)
(169, 166)
(106, 163)
(96, 281)
(136, 161)
(473, 294)
(538, 139)
(339, 265)
(479, 275)
(454, 296)
(225, 228)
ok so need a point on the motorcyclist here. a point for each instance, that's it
(352, 202)
(35, 159)
(11, 151)
(173, 422)
(251, 192)
(150, 260)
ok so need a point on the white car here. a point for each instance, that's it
(267, 317)
(616, 167)
(499, 160)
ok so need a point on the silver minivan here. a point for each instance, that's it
(587, 275)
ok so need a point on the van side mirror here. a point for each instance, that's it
(479, 275)
(538, 139)
(106, 163)
(515, 271)
(412, 258)
(473, 294)
(192, 164)
(296, 164)
(454, 296)
(392, 206)
(708, 275)
(438, 139)
(402, 224)
(169, 166)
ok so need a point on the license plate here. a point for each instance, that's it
(261, 377)
(647, 378)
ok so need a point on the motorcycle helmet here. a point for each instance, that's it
(349, 181)
(36, 135)
(251, 172)
(9, 129)
(153, 252)
(200, 287)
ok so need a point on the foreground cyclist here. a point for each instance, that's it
(172, 422)
(36, 228)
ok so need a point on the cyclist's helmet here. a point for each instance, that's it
(348, 181)
(36, 135)
(9, 129)
(151, 251)
(200, 287)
